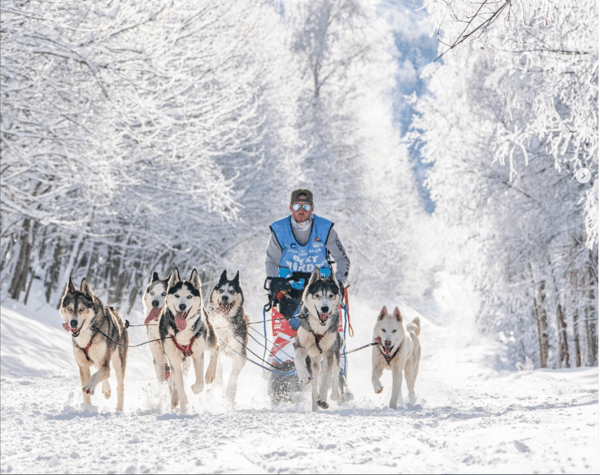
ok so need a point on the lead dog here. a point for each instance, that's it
(154, 301)
(398, 349)
(186, 332)
(318, 338)
(88, 320)
(226, 312)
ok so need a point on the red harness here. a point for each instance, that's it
(318, 339)
(187, 349)
(388, 359)
(87, 348)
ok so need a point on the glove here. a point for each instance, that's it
(298, 285)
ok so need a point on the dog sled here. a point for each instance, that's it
(285, 302)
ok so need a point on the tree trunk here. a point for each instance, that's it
(19, 277)
(591, 332)
(576, 344)
(54, 272)
(542, 324)
(563, 345)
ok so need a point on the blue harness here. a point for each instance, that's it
(297, 258)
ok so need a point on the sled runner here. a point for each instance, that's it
(285, 301)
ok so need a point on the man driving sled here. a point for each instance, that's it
(298, 244)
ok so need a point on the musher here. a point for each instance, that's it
(301, 242)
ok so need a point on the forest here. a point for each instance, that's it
(140, 136)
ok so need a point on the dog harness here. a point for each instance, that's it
(388, 359)
(187, 349)
(307, 258)
(318, 339)
(87, 348)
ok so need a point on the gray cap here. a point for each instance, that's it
(302, 191)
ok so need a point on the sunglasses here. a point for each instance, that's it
(297, 206)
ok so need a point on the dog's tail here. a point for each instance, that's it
(414, 326)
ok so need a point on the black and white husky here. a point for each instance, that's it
(318, 338)
(99, 338)
(186, 332)
(154, 301)
(226, 312)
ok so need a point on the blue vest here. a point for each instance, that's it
(299, 258)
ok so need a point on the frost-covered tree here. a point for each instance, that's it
(130, 134)
(354, 160)
(509, 121)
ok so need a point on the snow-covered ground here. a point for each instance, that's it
(471, 417)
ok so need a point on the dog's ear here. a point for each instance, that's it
(334, 280)
(316, 275)
(86, 289)
(195, 279)
(383, 313)
(70, 287)
(155, 277)
(397, 314)
(223, 278)
(236, 279)
(174, 277)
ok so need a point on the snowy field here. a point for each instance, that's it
(472, 417)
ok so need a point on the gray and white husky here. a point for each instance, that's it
(399, 350)
(226, 312)
(186, 332)
(89, 320)
(318, 339)
(154, 301)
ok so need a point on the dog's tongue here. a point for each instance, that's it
(153, 315)
(180, 320)
(66, 327)
(323, 317)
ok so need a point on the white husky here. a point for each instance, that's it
(398, 349)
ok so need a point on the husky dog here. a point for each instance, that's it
(154, 301)
(89, 320)
(226, 312)
(186, 331)
(397, 349)
(318, 338)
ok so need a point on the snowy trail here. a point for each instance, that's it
(472, 418)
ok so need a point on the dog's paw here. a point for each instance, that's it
(197, 388)
(378, 388)
(304, 379)
(335, 396)
(347, 396)
(88, 390)
(106, 390)
(323, 404)
(412, 399)
(210, 377)
(183, 404)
